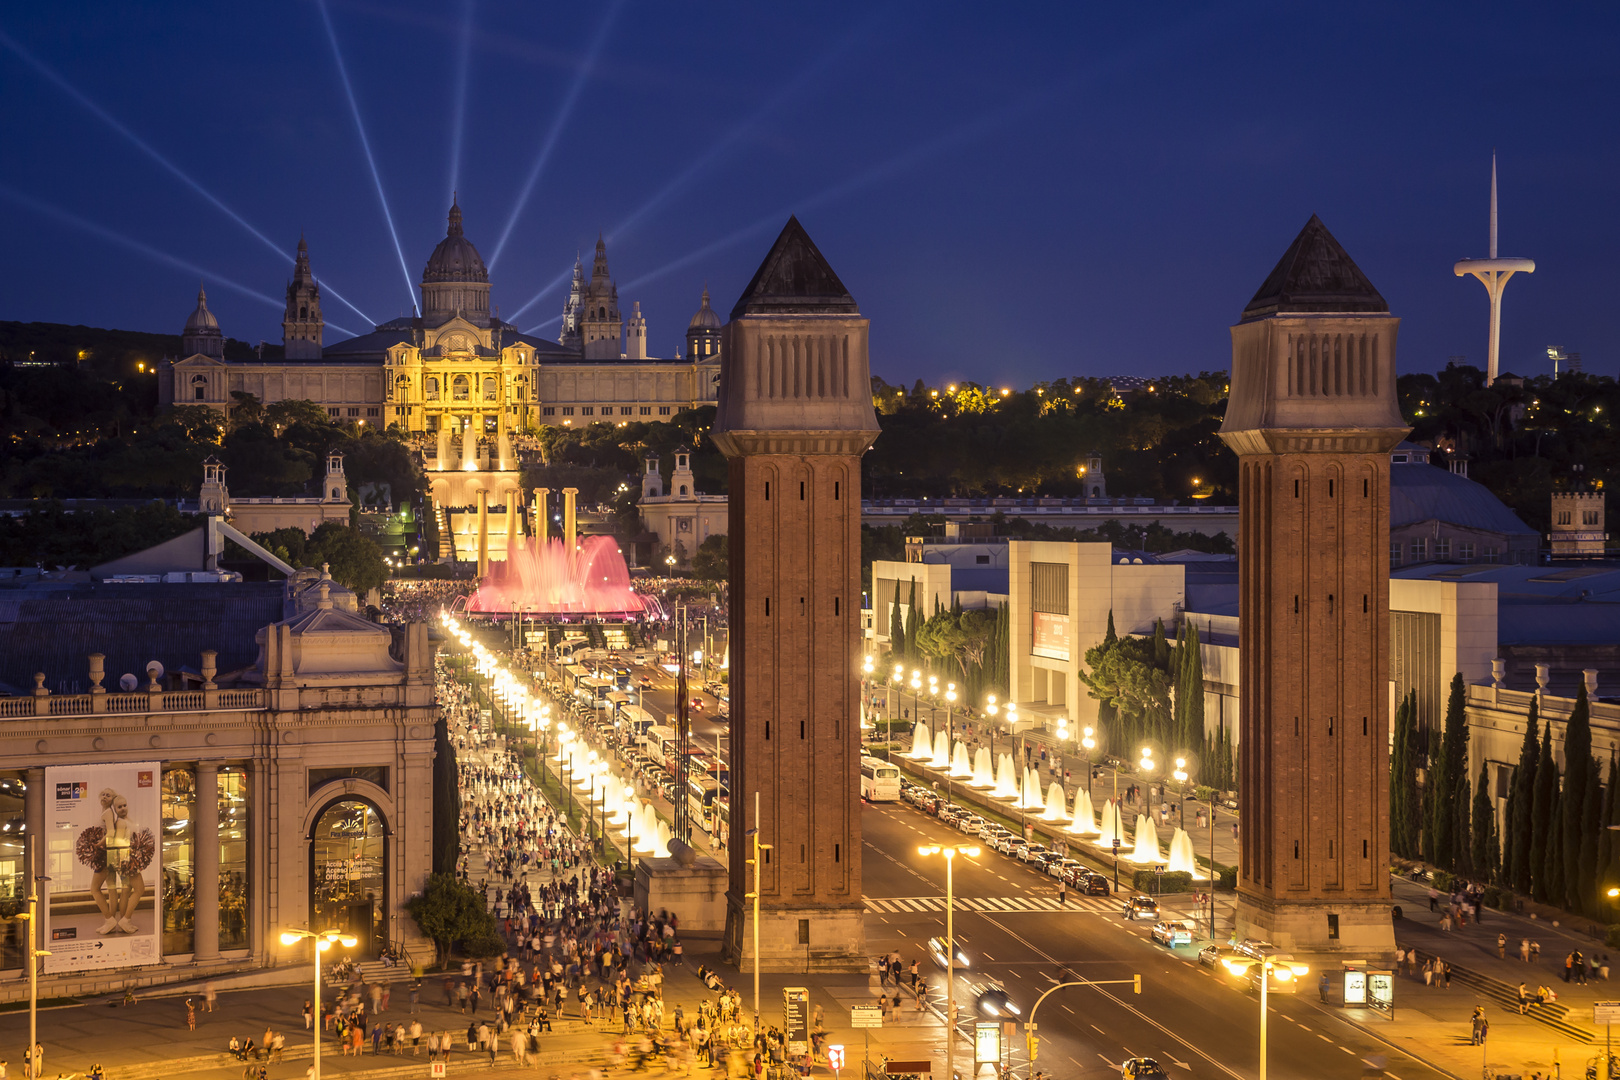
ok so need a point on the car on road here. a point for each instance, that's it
(970, 823)
(1283, 979)
(989, 830)
(1213, 955)
(948, 812)
(645, 682)
(1063, 867)
(1030, 852)
(992, 999)
(1091, 883)
(1012, 845)
(1141, 907)
(1044, 859)
(697, 704)
(1173, 932)
(1141, 1068)
(936, 949)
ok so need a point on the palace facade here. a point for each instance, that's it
(456, 366)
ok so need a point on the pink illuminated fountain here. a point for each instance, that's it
(540, 578)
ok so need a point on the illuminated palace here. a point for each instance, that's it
(456, 366)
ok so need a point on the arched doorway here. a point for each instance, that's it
(349, 872)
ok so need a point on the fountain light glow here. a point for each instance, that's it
(921, 743)
(1181, 854)
(983, 774)
(1084, 823)
(540, 579)
(1055, 808)
(1147, 842)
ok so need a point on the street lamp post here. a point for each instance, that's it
(1146, 765)
(950, 853)
(754, 896)
(1180, 774)
(1283, 970)
(322, 940)
(1090, 744)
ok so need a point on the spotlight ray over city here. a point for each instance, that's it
(458, 100)
(365, 145)
(565, 111)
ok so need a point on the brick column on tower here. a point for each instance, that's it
(1313, 416)
(795, 416)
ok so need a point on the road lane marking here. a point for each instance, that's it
(1066, 1009)
(1324, 1038)
(1347, 1050)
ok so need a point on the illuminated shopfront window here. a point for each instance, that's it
(349, 871)
(179, 860)
(233, 858)
(13, 868)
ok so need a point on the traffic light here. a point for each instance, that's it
(835, 1057)
(1034, 1046)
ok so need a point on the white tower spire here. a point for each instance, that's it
(1493, 273)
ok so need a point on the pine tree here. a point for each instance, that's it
(1543, 842)
(897, 626)
(1577, 758)
(1522, 801)
(1110, 639)
(1485, 853)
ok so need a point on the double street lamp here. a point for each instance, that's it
(1090, 744)
(950, 852)
(323, 940)
(1270, 968)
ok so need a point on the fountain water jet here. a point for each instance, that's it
(921, 743)
(1006, 786)
(983, 774)
(1031, 798)
(1085, 821)
(1056, 810)
(959, 762)
(942, 751)
(1181, 854)
(1112, 828)
(1147, 842)
(541, 577)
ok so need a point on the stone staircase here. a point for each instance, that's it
(1552, 1014)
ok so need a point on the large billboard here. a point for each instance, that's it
(102, 848)
(1051, 636)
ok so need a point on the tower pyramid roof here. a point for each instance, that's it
(1315, 274)
(795, 279)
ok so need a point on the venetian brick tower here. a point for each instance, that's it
(795, 416)
(1312, 416)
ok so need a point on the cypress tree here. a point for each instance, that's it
(1462, 810)
(1577, 758)
(1522, 800)
(1161, 647)
(897, 627)
(1110, 639)
(1609, 861)
(1504, 877)
(1543, 843)
(1555, 869)
(1450, 777)
(1591, 825)
(1399, 796)
(1485, 854)
(1192, 682)
(911, 623)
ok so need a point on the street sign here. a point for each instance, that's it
(796, 1019)
(865, 1016)
(986, 1043)
(1606, 1012)
(436, 1070)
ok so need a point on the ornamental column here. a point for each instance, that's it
(205, 843)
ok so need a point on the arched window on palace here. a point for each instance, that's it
(489, 389)
(348, 852)
(459, 388)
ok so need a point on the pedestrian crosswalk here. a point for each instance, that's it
(891, 905)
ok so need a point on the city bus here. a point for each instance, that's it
(701, 790)
(636, 720)
(594, 691)
(880, 781)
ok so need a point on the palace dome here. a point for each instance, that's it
(705, 319)
(455, 259)
(202, 318)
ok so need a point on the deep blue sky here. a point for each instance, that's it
(1011, 192)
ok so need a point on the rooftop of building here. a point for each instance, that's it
(1315, 275)
(1419, 491)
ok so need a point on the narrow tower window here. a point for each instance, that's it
(801, 490)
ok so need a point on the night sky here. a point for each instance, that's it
(1011, 192)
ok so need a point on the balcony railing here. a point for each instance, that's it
(142, 701)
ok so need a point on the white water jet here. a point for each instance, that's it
(1006, 785)
(661, 839)
(1056, 806)
(921, 743)
(1031, 798)
(1085, 821)
(983, 774)
(942, 751)
(1181, 854)
(645, 839)
(960, 766)
(1147, 842)
(1110, 830)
